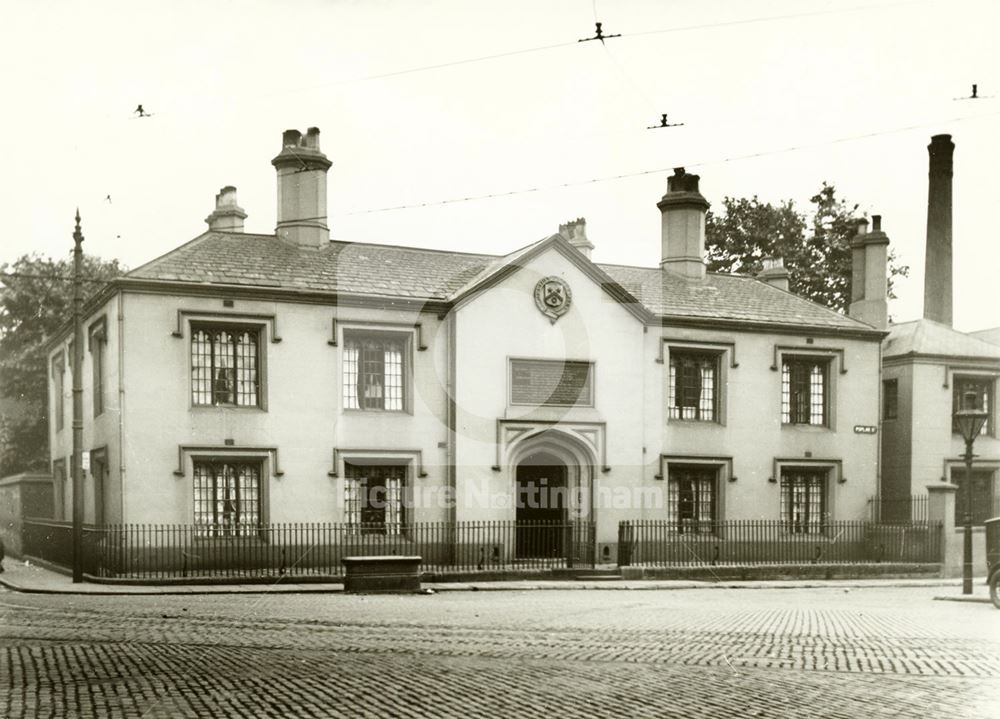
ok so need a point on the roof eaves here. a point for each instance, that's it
(864, 331)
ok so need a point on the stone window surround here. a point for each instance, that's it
(834, 356)
(413, 339)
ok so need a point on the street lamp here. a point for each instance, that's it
(77, 468)
(969, 420)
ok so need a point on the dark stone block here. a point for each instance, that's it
(381, 574)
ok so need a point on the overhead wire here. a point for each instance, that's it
(640, 173)
(64, 278)
(573, 43)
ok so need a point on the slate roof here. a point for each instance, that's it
(345, 267)
(414, 273)
(927, 337)
(991, 335)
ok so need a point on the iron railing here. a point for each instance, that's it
(148, 551)
(52, 541)
(916, 508)
(756, 542)
(896, 510)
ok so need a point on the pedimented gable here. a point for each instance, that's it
(551, 262)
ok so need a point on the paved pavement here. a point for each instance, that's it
(26, 577)
(805, 652)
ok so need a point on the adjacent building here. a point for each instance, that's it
(244, 379)
(928, 368)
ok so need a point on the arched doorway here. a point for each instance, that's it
(553, 477)
(541, 504)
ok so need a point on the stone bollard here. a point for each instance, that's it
(941, 508)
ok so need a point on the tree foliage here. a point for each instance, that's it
(815, 245)
(36, 299)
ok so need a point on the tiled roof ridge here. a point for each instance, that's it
(751, 278)
(415, 249)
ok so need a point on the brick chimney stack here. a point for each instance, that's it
(301, 171)
(869, 264)
(228, 215)
(682, 240)
(575, 231)
(774, 273)
(937, 264)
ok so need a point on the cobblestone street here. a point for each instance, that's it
(706, 652)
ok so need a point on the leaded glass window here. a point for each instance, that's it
(98, 341)
(227, 498)
(691, 497)
(803, 390)
(373, 498)
(890, 399)
(224, 366)
(803, 499)
(693, 393)
(373, 372)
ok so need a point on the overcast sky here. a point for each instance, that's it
(223, 79)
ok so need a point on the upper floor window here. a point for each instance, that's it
(982, 387)
(890, 399)
(693, 392)
(804, 390)
(58, 389)
(224, 366)
(227, 498)
(98, 340)
(373, 498)
(803, 499)
(373, 371)
(692, 497)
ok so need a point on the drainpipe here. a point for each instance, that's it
(121, 405)
(451, 326)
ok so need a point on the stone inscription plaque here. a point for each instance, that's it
(551, 382)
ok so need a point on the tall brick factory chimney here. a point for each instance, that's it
(937, 264)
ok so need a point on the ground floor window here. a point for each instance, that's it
(691, 497)
(59, 484)
(803, 499)
(984, 506)
(227, 498)
(373, 498)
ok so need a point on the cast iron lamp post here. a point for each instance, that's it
(970, 421)
(77, 468)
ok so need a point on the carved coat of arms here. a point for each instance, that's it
(553, 297)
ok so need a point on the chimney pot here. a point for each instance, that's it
(682, 235)
(301, 169)
(774, 272)
(869, 261)
(575, 232)
(228, 215)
